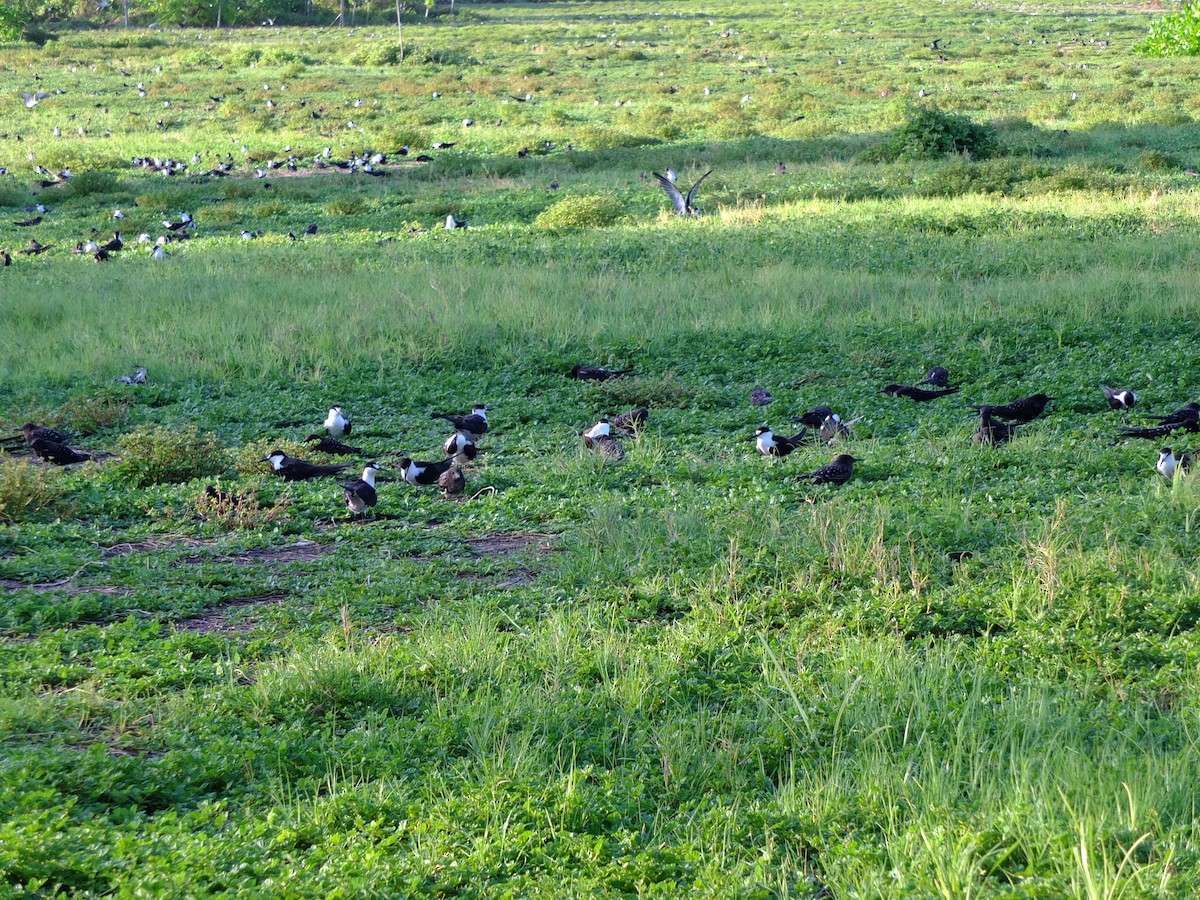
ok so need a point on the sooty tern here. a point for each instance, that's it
(360, 493)
(451, 482)
(59, 454)
(683, 206)
(337, 424)
(920, 395)
(423, 473)
(584, 372)
(472, 427)
(769, 444)
(1119, 399)
(293, 469)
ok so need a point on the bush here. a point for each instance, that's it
(26, 489)
(156, 455)
(235, 507)
(929, 133)
(590, 211)
(1177, 34)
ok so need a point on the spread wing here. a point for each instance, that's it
(692, 193)
(673, 193)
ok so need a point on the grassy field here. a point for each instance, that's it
(969, 672)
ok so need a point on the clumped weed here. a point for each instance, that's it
(236, 507)
(153, 454)
(589, 211)
(27, 490)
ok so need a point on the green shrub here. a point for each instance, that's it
(27, 489)
(589, 211)
(595, 137)
(929, 133)
(1158, 161)
(156, 455)
(1176, 34)
(91, 181)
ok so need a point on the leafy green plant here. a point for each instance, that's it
(154, 454)
(1175, 34)
(585, 211)
(928, 133)
(27, 489)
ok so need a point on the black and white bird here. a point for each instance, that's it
(460, 448)
(834, 427)
(836, 472)
(58, 453)
(423, 473)
(1119, 399)
(583, 372)
(599, 439)
(992, 433)
(451, 482)
(138, 377)
(323, 443)
(937, 377)
(814, 417)
(360, 493)
(1169, 464)
(919, 395)
(292, 469)
(1021, 411)
(769, 444)
(683, 205)
(336, 423)
(472, 427)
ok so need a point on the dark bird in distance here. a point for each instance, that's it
(5, 258)
(138, 377)
(35, 248)
(1020, 411)
(472, 427)
(360, 493)
(424, 473)
(451, 482)
(292, 469)
(920, 395)
(836, 472)
(683, 206)
(34, 432)
(29, 223)
(937, 377)
(1119, 399)
(584, 372)
(323, 443)
(760, 397)
(1185, 415)
(769, 444)
(58, 453)
(1154, 432)
(992, 433)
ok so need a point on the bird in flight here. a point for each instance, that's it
(683, 205)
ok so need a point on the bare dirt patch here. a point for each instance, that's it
(301, 551)
(128, 548)
(215, 620)
(67, 586)
(505, 544)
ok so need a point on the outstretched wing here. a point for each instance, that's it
(673, 193)
(692, 193)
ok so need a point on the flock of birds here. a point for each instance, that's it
(997, 424)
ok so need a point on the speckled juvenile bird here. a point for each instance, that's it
(34, 432)
(323, 443)
(836, 472)
(599, 439)
(992, 433)
(58, 453)
(451, 482)
(1119, 399)
(937, 377)
(1021, 411)
(632, 421)
(583, 372)
(920, 395)
(1184, 416)
(834, 427)
(760, 397)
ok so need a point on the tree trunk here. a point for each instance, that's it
(342, 14)
(218, 13)
(400, 28)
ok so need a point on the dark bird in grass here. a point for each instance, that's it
(1154, 432)
(31, 431)
(292, 469)
(1185, 415)
(101, 255)
(1168, 463)
(683, 206)
(424, 157)
(1119, 399)
(760, 397)
(836, 472)
(814, 417)
(29, 223)
(114, 245)
(769, 444)
(632, 421)
(58, 453)
(937, 377)
(472, 427)
(919, 395)
(443, 145)
(460, 448)
(583, 372)
(35, 248)
(138, 377)
(323, 443)
(834, 427)
(336, 424)
(423, 473)
(451, 482)
(992, 433)
(1020, 411)
(311, 229)
(360, 493)
(5, 258)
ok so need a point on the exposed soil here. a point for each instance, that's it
(215, 619)
(301, 551)
(67, 586)
(505, 544)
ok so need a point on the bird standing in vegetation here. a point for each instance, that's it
(837, 472)
(336, 424)
(683, 205)
(138, 377)
(937, 377)
(1021, 411)
(58, 453)
(460, 448)
(423, 473)
(1119, 399)
(583, 372)
(323, 443)
(451, 482)
(769, 444)
(472, 427)
(1169, 464)
(599, 439)
(360, 493)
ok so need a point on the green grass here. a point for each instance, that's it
(683, 674)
